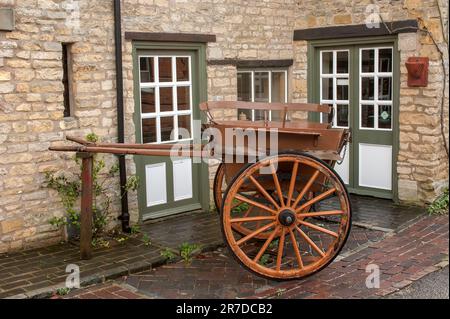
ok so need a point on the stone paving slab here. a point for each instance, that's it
(379, 213)
(404, 257)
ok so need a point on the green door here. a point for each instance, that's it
(167, 95)
(359, 81)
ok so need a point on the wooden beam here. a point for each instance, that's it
(284, 63)
(86, 218)
(170, 37)
(357, 30)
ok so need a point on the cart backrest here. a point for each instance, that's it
(284, 107)
(306, 107)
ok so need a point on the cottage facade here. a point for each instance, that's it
(58, 78)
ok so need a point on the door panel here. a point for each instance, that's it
(334, 74)
(358, 82)
(375, 166)
(167, 101)
(373, 122)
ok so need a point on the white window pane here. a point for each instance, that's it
(147, 69)
(385, 60)
(384, 116)
(327, 62)
(261, 84)
(342, 62)
(368, 60)
(165, 69)
(278, 87)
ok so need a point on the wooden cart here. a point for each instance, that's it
(283, 216)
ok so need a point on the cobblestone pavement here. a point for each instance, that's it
(402, 259)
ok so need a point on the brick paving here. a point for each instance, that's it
(106, 291)
(37, 273)
(402, 258)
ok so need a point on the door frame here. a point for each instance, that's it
(199, 50)
(314, 94)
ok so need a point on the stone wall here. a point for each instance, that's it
(31, 109)
(422, 163)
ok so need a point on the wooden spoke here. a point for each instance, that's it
(251, 219)
(251, 202)
(296, 250)
(324, 213)
(310, 242)
(280, 248)
(306, 188)
(249, 210)
(253, 234)
(266, 244)
(318, 228)
(277, 185)
(264, 192)
(292, 183)
(316, 199)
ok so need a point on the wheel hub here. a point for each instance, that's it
(286, 217)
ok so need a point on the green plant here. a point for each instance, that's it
(100, 242)
(280, 292)
(240, 208)
(186, 251)
(146, 240)
(168, 254)
(69, 189)
(440, 204)
(62, 291)
(121, 239)
(135, 229)
(264, 259)
(274, 244)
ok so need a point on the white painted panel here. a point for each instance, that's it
(343, 169)
(182, 179)
(375, 166)
(155, 178)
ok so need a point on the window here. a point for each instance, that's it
(269, 86)
(67, 79)
(334, 84)
(166, 98)
(375, 96)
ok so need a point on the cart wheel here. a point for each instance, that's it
(219, 186)
(219, 189)
(295, 247)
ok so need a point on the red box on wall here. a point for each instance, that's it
(417, 71)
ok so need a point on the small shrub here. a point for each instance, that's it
(146, 240)
(135, 229)
(440, 204)
(69, 189)
(186, 251)
(62, 291)
(168, 254)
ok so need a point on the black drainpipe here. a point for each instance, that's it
(125, 216)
